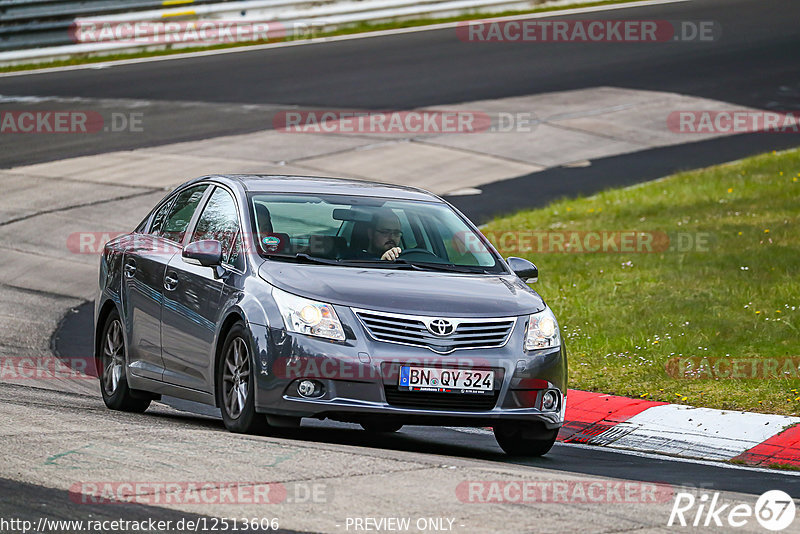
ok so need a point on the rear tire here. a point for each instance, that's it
(381, 427)
(112, 367)
(520, 440)
(235, 384)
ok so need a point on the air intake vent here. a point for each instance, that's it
(440, 401)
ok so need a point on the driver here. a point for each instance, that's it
(384, 235)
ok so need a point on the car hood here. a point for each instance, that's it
(411, 292)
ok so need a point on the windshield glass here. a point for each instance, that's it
(352, 230)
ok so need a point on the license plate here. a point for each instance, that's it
(437, 380)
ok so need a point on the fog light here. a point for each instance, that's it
(549, 400)
(309, 388)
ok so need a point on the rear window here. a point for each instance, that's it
(181, 212)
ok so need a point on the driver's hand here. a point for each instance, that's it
(391, 254)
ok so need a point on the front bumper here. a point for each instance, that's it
(359, 379)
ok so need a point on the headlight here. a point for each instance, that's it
(542, 332)
(306, 316)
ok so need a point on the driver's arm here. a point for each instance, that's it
(391, 254)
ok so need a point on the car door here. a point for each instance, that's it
(193, 294)
(144, 268)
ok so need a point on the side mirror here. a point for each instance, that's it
(207, 253)
(524, 269)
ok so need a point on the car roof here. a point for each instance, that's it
(269, 183)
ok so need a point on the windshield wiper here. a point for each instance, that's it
(447, 267)
(307, 258)
(302, 258)
(424, 266)
(381, 264)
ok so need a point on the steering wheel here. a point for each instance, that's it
(419, 254)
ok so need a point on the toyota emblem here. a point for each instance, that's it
(441, 327)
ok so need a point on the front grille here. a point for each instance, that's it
(440, 401)
(413, 330)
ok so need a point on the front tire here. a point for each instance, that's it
(524, 441)
(235, 384)
(113, 382)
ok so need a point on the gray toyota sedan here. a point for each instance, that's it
(276, 298)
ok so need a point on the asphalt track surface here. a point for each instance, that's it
(755, 63)
(73, 340)
(29, 502)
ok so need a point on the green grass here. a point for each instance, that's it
(348, 30)
(787, 467)
(624, 315)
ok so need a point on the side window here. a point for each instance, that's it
(237, 254)
(174, 227)
(160, 216)
(219, 221)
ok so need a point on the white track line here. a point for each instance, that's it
(654, 456)
(697, 432)
(321, 40)
(648, 455)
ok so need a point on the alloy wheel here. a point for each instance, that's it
(113, 357)
(236, 377)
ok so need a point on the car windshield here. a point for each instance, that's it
(357, 231)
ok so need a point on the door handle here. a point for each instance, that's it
(170, 282)
(130, 269)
